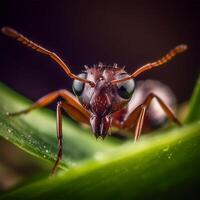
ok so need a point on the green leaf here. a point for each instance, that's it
(35, 133)
(163, 165)
(194, 113)
(160, 166)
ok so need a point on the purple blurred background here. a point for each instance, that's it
(130, 33)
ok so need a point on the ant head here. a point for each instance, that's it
(104, 98)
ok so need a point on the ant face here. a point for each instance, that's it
(104, 98)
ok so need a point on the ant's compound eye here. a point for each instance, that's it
(78, 86)
(125, 89)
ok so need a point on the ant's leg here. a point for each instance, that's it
(49, 98)
(75, 114)
(42, 102)
(140, 112)
(59, 135)
(166, 108)
(138, 128)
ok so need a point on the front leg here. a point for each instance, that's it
(59, 135)
(75, 109)
(139, 113)
(76, 114)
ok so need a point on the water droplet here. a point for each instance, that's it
(9, 130)
(44, 156)
(166, 149)
(169, 156)
(47, 151)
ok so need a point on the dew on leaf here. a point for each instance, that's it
(169, 156)
(166, 149)
(9, 130)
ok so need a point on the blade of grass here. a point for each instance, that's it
(157, 167)
(194, 112)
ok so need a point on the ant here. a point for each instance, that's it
(102, 95)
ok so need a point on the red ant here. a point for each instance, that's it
(103, 92)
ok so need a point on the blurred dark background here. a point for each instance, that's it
(130, 33)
